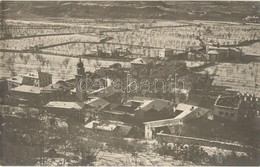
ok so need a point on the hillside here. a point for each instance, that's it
(225, 11)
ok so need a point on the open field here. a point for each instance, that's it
(143, 38)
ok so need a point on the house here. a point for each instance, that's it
(98, 103)
(223, 53)
(188, 112)
(147, 109)
(141, 66)
(36, 78)
(139, 109)
(67, 109)
(119, 51)
(27, 88)
(151, 127)
(111, 128)
(60, 90)
(184, 113)
(26, 94)
(213, 56)
(92, 106)
(111, 53)
(120, 113)
(227, 107)
(105, 128)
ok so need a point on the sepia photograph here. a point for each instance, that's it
(129, 83)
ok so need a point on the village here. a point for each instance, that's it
(129, 92)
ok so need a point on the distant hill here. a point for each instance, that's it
(203, 10)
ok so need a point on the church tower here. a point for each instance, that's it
(80, 76)
(80, 69)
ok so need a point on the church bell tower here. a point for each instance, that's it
(80, 76)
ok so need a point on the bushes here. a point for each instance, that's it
(183, 152)
(197, 154)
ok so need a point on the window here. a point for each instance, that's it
(232, 114)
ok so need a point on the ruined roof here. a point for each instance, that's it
(228, 102)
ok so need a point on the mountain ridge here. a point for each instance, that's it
(203, 10)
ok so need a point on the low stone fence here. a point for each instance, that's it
(202, 142)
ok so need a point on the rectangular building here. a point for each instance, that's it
(227, 107)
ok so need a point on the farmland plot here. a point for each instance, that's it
(25, 43)
(178, 38)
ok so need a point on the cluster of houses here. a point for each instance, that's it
(103, 110)
(215, 53)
